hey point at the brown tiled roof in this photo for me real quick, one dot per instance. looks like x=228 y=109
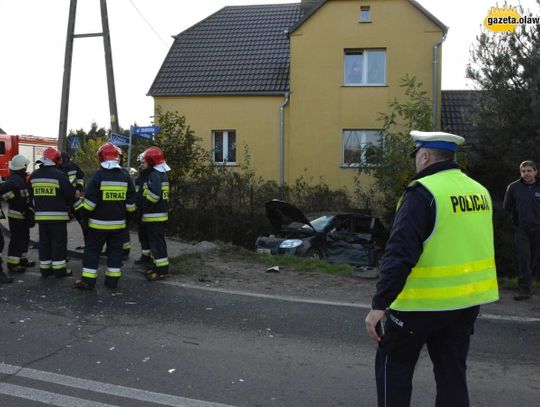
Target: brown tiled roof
x=237 y=50
x=457 y=107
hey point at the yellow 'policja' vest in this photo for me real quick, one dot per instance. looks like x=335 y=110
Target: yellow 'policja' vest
x=456 y=269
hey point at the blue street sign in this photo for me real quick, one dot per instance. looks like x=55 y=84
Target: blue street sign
x=74 y=143
x=147 y=130
x=119 y=140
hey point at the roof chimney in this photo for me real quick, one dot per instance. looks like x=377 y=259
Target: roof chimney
x=308 y=5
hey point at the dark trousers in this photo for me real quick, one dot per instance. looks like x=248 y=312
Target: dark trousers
x=94 y=244
x=52 y=248
x=155 y=232
x=447 y=335
x=143 y=239
x=528 y=251
x=1 y=247
x=18 y=243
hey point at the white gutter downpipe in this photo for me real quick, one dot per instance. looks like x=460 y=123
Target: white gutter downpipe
x=436 y=79
x=282 y=140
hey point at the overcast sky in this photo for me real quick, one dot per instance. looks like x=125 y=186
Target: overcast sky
x=33 y=38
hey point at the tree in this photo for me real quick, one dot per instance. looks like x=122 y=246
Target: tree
x=390 y=163
x=506 y=121
x=181 y=146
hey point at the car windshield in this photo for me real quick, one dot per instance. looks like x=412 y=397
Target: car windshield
x=319 y=223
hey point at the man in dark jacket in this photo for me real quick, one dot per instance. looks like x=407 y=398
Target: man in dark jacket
x=522 y=200
x=110 y=195
x=20 y=216
x=52 y=195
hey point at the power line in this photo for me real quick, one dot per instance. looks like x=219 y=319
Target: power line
x=149 y=25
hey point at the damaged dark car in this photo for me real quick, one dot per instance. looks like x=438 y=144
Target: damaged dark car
x=354 y=238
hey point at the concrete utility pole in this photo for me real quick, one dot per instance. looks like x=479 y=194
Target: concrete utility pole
x=62 y=131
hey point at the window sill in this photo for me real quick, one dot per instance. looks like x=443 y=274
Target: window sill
x=218 y=164
x=356 y=167
x=365 y=86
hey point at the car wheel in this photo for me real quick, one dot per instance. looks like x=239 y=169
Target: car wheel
x=314 y=254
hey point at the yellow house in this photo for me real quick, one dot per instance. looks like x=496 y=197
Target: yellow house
x=301 y=85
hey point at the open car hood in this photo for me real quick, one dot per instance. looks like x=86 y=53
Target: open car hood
x=281 y=214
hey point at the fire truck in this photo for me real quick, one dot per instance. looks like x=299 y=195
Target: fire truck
x=30 y=146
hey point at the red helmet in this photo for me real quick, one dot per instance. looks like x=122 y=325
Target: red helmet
x=52 y=154
x=153 y=156
x=108 y=152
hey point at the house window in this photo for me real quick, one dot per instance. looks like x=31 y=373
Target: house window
x=365 y=14
x=358 y=146
x=365 y=67
x=224 y=146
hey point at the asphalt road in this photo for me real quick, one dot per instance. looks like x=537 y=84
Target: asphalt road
x=156 y=344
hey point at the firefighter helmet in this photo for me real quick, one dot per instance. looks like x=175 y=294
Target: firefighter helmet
x=153 y=156
x=52 y=155
x=108 y=152
x=18 y=162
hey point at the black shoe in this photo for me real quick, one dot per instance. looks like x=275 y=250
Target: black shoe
x=111 y=283
x=83 y=285
x=522 y=297
x=27 y=263
x=63 y=273
x=17 y=269
x=154 y=275
x=143 y=260
x=46 y=272
x=4 y=279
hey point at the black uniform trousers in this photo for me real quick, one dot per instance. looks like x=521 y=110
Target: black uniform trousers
x=92 y=250
x=447 y=335
x=143 y=239
x=18 y=243
x=528 y=253
x=155 y=232
x=52 y=248
x=1 y=247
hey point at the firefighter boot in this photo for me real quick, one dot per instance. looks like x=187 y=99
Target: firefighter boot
x=85 y=283
x=143 y=261
x=4 y=279
x=16 y=269
x=111 y=282
x=27 y=263
x=154 y=275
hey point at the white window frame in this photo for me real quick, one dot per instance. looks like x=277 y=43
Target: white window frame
x=363 y=134
x=225 y=151
x=365 y=66
x=361 y=18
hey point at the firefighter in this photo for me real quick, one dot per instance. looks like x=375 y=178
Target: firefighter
x=110 y=195
x=20 y=216
x=76 y=176
x=52 y=196
x=154 y=211
x=141 y=183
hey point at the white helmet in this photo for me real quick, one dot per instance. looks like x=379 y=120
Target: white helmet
x=18 y=162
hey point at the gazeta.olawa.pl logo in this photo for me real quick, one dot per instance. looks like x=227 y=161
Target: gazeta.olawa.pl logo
x=506 y=19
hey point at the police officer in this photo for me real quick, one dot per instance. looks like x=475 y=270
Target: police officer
x=141 y=184
x=155 y=211
x=20 y=216
x=110 y=194
x=76 y=176
x=52 y=195
x=437 y=269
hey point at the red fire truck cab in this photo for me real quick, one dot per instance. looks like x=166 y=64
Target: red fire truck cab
x=30 y=146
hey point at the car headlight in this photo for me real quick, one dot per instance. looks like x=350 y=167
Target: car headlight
x=290 y=243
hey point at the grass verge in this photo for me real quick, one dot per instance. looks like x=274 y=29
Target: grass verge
x=192 y=262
